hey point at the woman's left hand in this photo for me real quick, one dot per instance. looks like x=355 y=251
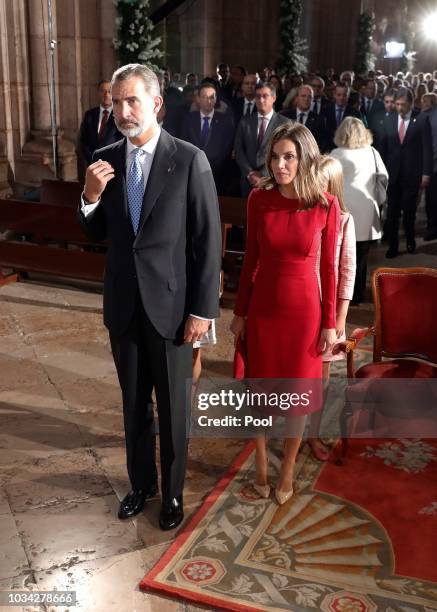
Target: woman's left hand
x=328 y=338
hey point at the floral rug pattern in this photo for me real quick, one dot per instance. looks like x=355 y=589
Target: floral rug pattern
x=319 y=551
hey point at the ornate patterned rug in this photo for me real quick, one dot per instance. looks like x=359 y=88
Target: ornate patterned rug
x=356 y=538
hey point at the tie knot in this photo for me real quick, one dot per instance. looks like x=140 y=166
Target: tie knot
x=137 y=153
x=206 y=120
x=105 y=113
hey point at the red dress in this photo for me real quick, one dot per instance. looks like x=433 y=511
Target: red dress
x=279 y=291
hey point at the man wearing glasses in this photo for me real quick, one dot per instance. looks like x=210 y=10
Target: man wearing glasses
x=320 y=101
x=253 y=134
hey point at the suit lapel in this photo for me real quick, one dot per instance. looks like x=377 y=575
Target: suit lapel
x=163 y=164
x=120 y=172
x=271 y=126
x=253 y=128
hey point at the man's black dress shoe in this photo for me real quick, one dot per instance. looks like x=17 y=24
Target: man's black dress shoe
x=391 y=253
x=172 y=514
x=411 y=247
x=134 y=501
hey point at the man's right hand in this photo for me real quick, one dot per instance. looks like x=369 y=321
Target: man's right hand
x=97 y=176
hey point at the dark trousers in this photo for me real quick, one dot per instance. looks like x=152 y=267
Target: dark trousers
x=401 y=199
x=362 y=254
x=144 y=360
x=431 y=204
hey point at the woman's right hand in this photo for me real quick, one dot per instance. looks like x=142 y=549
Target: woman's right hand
x=238 y=327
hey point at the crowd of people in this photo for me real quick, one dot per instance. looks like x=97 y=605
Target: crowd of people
x=316 y=156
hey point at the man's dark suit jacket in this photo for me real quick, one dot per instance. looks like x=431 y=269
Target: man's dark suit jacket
x=237 y=105
x=331 y=122
x=174 y=260
x=378 y=128
x=218 y=147
x=324 y=104
x=88 y=137
x=249 y=157
x=409 y=161
x=373 y=117
x=315 y=123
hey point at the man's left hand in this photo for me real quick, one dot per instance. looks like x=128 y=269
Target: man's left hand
x=195 y=328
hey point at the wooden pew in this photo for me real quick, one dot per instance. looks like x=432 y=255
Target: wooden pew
x=53 y=231
x=61 y=193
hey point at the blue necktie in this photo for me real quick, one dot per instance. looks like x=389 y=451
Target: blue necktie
x=135 y=189
x=204 y=132
x=339 y=115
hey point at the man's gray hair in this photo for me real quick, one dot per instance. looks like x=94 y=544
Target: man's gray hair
x=149 y=78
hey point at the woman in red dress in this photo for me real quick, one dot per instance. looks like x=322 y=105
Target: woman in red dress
x=279 y=314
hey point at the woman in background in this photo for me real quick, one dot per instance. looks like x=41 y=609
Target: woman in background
x=361 y=163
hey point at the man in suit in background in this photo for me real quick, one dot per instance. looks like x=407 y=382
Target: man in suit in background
x=245 y=105
x=303 y=114
x=371 y=107
x=153 y=197
x=407 y=154
x=211 y=131
x=336 y=111
x=320 y=101
x=98 y=128
x=388 y=108
x=253 y=134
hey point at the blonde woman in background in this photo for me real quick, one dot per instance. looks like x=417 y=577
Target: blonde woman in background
x=360 y=163
x=330 y=173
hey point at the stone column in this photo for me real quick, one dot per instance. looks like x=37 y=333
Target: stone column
x=37 y=158
x=14 y=92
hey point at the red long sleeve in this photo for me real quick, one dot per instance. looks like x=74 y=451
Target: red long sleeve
x=251 y=256
x=327 y=264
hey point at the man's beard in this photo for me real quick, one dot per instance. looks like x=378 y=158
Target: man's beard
x=132 y=132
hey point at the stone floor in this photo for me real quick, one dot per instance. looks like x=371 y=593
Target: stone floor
x=62 y=461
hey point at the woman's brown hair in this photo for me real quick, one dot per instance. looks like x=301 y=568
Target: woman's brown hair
x=305 y=183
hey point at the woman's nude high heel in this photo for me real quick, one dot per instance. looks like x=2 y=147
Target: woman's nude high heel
x=283 y=496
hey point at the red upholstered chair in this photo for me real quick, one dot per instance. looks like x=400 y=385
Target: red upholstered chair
x=404 y=346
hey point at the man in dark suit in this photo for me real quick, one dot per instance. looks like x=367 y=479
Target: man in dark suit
x=212 y=131
x=371 y=107
x=303 y=114
x=252 y=138
x=336 y=111
x=407 y=153
x=320 y=101
x=380 y=118
x=245 y=105
x=153 y=197
x=98 y=128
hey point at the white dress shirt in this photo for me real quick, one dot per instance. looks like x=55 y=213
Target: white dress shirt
x=266 y=123
x=246 y=106
x=202 y=116
x=406 y=119
x=102 y=109
x=304 y=113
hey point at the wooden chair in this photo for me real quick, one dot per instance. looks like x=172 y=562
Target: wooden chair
x=404 y=347
x=233 y=211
